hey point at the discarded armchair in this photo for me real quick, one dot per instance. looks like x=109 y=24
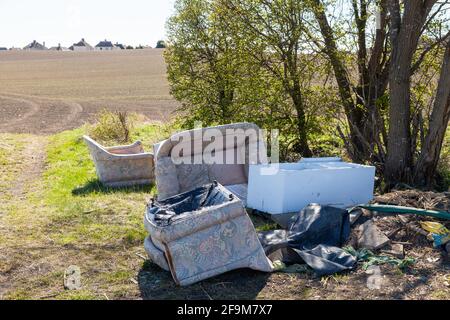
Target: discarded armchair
x=122 y=166
x=202 y=233
x=178 y=172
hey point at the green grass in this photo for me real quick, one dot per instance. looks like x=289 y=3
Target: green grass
x=78 y=295
x=70 y=218
x=11 y=160
x=87 y=211
x=19 y=294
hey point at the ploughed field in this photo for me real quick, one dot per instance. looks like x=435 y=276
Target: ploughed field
x=48 y=92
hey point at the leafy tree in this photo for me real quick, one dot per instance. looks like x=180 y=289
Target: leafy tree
x=272 y=63
x=201 y=62
x=161 y=44
x=383 y=108
x=273 y=33
x=242 y=61
x=348 y=45
x=408 y=24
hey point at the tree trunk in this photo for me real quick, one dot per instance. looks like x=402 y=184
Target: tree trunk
x=342 y=79
x=361 y=111
x=425 y=169
x=399 y=160
x=297 y=99
x=405 y=34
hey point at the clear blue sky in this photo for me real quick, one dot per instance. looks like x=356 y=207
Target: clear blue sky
x=67 y=21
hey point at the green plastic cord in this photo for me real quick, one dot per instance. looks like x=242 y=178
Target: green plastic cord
x=406 y=210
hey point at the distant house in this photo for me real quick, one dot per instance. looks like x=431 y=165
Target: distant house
x=59 y=48
x=119 y=46
x=3 y=49
x=81 y=46
x=105 y=46
x=35 y=46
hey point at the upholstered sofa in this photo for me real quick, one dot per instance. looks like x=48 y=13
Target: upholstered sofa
x=201 y=234
x=122 y=166
x=174 y=174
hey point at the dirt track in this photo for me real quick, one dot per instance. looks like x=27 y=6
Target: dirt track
x=26 y=114
x=48 y=92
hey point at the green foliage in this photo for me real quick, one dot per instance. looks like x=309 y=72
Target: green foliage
x=368 y=258
x=227 y=67
x=113 y=127
x=150 y=133
x=161 y=44
x=201 y=62
x=268 y=62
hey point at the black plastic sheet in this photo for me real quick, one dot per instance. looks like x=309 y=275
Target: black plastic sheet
x=314 y=236
x=177 y=207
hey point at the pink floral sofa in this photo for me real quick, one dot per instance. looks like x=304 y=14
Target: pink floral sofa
x=122 y=166
x=201 y=234
x=173 y=178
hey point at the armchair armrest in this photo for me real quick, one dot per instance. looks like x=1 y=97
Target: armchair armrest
x=138 y=156
x=128 y=149
x=204 y=219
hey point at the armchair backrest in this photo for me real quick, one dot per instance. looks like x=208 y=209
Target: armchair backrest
x=240 y=145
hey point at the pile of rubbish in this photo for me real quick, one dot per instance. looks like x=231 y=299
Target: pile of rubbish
x=328 y=218
x=314 y=237
x=411 y=225
x=370 y=238
x=413 y=198
x=207 y=231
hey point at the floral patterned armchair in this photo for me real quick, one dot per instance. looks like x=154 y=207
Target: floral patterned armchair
x=122 y=166
x=201 y=234
x=173 y=178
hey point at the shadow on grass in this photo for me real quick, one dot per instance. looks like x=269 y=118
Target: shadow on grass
x=242 y=284
x=95 y=186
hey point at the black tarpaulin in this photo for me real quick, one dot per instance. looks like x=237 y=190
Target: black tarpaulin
x=176 y=208
x=314 y=236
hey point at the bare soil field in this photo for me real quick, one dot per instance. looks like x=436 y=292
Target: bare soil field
x=48 y=92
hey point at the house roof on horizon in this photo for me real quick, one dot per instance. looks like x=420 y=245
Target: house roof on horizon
x=35 y=45
x=83 y=43
x=105 y=44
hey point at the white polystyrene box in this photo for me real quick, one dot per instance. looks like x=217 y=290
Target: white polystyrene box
x=289 y=187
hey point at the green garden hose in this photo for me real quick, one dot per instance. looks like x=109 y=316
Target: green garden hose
x=406 y=210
